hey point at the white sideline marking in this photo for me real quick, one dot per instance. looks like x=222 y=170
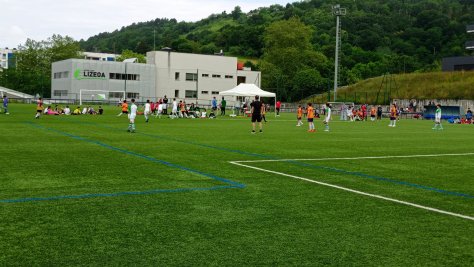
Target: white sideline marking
x=358 y=192
x=380 y=157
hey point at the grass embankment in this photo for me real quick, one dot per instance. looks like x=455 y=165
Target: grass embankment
x=434 y=85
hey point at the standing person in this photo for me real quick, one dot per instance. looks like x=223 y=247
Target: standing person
x=373 y=113
x=310 y=111
x=343 y=112
x=438 y=118
x=39 y=108
x=328 y=117
x=469 y=115
x=256 y=109
x=299 y=115
x=393 y=116
x=5 y=104
x=174 y=111
x=223 y=105
x=278 y=106
x=132 y=116
x=124 y=108
x=214 y=104
x=264 y=111
x=379 y=113
x=165 y=105
x=147 y=110
x=237 y=107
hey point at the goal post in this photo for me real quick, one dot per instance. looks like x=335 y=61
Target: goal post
x=100 y=94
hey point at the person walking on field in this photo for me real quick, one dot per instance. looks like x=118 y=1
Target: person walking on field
x=39 y=108
x=5 y=104
x=393 y=116
x=438 y=118
x=256 y=109
x=277 y=107
x=132 y=116
x=124 y=108
x=147 y=112
x=223 y=105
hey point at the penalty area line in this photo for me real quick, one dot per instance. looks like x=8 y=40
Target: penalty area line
x=358 y=192
x=356 y=158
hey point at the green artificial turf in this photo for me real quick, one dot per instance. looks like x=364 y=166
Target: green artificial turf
x=81 y=190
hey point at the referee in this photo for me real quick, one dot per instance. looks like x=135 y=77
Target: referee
x=256 y=114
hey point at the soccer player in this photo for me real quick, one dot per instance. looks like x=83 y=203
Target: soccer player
x=438 y=118
x=328 y=117
x=147 y=111
x=132 y=116
x=393 y=116
x=299 y=115
x=256 y=108
x=124 y=108
x=310 y=111
x=174 y=111
x=278 y=106
x=373 y=112
x=5 y=104
x=39 y=108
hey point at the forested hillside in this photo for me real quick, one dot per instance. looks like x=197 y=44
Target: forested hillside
x=396 y=36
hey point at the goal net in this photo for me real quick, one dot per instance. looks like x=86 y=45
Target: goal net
x=100 y=95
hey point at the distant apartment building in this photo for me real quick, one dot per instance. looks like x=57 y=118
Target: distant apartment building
x=461 y=63
x=7 y=58
x=176 y=75
x=99 y=56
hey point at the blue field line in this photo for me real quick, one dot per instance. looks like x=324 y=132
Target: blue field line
x=115 y=194
x=357 y=174
x=231 y=184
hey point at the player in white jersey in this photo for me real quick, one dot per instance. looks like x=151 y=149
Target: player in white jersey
x=438 y=118
x=147 y=110
x=132 y=116
x=174 y=111
x=328 y=117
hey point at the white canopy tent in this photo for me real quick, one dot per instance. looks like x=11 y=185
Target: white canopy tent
x=248 y=89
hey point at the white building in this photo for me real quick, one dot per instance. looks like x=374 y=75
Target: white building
x=6 y=57
x=177 y=75
x=101 y=80
x=183 y=75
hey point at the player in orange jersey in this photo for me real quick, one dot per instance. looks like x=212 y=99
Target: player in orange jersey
x=310 y=110
x=124 y=108
x=299 y=115
x=393 y=116
x=373 y=112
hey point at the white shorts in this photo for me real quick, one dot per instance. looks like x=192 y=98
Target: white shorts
x=132 y=117
x=147 y=112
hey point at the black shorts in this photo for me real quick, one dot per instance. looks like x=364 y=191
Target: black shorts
x=125 y=112
x=256 y=117
x=310 y=119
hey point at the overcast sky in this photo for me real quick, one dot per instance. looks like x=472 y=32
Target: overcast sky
x=40 y=19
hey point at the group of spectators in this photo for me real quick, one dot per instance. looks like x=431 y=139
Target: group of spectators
x=57 y=110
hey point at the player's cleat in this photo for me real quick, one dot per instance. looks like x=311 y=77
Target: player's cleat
x=261 y=131
x=326 y=130
x=253 y=132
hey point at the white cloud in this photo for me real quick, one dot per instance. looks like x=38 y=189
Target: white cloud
x=40 y=19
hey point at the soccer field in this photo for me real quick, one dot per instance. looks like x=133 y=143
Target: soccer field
x=81 y=190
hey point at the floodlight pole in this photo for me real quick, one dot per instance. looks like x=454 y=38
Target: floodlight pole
x=338 y=12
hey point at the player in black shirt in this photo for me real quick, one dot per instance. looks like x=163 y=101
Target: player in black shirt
x=256 y=114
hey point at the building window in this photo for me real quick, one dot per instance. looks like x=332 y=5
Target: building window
x=122 y=76
x=115 y=95
x=215 y=92
x=191 y=76
x=61 y=75
x=133 y=95
x=204 y=92
x=60 y=93
x=176 y=93
x=241 y=79
x=216 y=76
x=205 y=75
x=190 y=94
x=176 y=76
x=229 y=77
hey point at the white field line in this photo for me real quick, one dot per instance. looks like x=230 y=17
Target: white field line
x=358 y=192
x=355 y=158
